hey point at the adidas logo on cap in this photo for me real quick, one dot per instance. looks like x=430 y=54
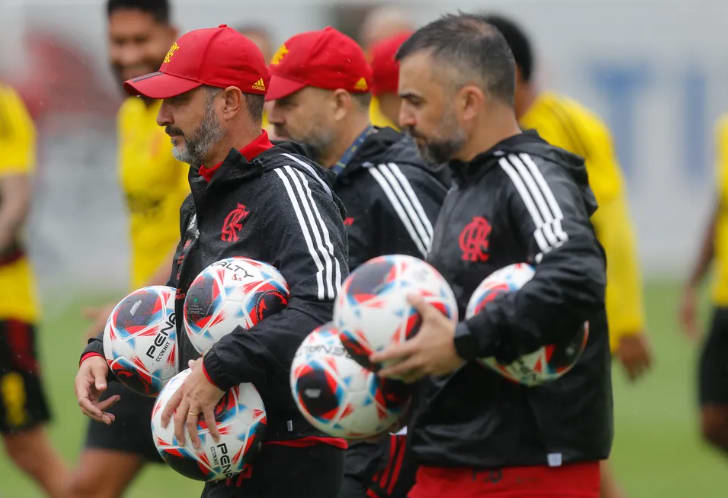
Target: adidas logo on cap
x=259 y=85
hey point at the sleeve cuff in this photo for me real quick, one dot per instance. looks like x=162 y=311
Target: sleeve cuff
x=89 y=355
x=207 y=374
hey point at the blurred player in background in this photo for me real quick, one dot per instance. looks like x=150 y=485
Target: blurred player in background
x=154 y=185
x=566 y=123
x=23 y=405
x=380 y=26
x=713 y=369
x=474 y=432
x=383 y=22
x=320 y=85
x=384 y=109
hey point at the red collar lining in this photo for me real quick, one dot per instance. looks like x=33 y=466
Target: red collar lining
x=249 y=152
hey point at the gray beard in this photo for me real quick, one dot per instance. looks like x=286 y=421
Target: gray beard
x=195 y=148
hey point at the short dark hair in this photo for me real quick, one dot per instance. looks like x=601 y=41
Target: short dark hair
x=517 y=40
x=473 y=46
x=159 y=9
x=363 y=99
x=254 y=103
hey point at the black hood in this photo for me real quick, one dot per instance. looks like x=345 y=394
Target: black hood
x=389 y=145
x=531 y=143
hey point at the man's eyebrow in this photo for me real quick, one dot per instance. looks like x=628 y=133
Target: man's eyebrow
x=409 y=95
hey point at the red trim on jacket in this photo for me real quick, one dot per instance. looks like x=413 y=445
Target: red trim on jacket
x=89 y=355
x=204 y=371
x=311 y=441
x=250 y=151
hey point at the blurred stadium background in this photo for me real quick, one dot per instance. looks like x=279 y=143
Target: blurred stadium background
x=654 y=69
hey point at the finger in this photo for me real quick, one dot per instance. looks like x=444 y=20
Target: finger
x=171 y=407
x=418 y=302
x=99 y=378
x=108 y=402
x=209 y=416
x=180 y=417
x=395 y=352
x=191 y=424
x=89 y=408
x=401 y=369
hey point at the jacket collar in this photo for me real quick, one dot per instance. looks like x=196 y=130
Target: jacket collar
x=466 y=172
x=260 y=144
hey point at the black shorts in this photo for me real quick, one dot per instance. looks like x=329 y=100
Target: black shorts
x=22 y=400
x=284 y=471
x=713 y=376
x=131 y=432
x=381 y=470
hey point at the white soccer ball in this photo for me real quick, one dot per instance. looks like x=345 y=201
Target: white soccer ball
x=372 y=311
x=140 y=339
x=547 y=363
x=337 y=395
x=230 y=293
x=241 y=420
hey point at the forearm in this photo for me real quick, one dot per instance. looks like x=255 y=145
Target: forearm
x=567 y=289
x=15 y=194
x=266 y=351
x=707 y=251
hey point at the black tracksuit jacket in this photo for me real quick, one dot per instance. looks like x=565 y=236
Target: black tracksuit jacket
x=522 y=200
x=392 y=198
x=277 y=208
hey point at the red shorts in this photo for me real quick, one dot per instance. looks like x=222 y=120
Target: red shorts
x=580 y=480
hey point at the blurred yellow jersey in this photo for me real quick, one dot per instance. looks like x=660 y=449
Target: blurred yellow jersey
x=154 y=183
x=720 y=276
x=567 y=124
x=377 y=117
x=17 y=157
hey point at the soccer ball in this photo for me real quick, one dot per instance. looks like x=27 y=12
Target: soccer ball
x=337 y=395
x=241 y=420
x=229 y=293
x=372 y=311
x=140 y=339
x=546 y=363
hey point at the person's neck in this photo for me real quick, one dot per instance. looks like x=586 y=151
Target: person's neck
x=527 y=94
x=498 y=126
x=350 y=131
x=240 y=139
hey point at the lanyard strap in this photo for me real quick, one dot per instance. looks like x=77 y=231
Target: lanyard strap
x=349 y=153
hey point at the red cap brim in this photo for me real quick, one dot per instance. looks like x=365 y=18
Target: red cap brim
x=159 y=85
x=281 y=87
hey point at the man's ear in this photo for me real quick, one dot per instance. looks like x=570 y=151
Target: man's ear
x=234 y=100
x=341 y=102
x=470 y=102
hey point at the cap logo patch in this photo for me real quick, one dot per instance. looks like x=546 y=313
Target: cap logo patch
x=259 y=85
x=279 y=55
x=171 y=52
x=361 y=85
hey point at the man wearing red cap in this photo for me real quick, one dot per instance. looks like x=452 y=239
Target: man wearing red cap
x=384 y=110
x=321 y=82
x=212 y=83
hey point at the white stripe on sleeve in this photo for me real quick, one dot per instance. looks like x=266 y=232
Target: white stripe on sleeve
x=394 y=201
x=324 y=230
x=306 y=233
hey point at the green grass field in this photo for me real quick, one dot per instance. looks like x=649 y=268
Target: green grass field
x=657 y=451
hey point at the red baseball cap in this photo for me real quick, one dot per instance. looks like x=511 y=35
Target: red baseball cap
x=385 y=69
x=219 y=57
x=325 y=59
